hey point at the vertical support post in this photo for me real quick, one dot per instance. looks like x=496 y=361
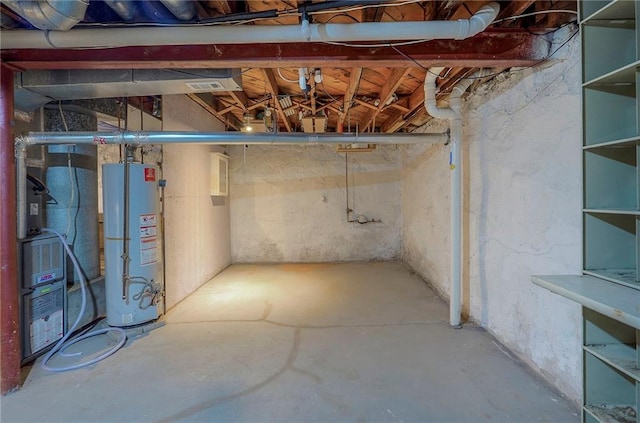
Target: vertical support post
x=9 y=310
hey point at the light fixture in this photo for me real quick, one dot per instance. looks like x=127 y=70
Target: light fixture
x=317 y=76
x=247 y=123
x=302 y=78
x=393 y=98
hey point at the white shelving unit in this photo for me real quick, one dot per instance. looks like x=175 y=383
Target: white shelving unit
x=609 y=289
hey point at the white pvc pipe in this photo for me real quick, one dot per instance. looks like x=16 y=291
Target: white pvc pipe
x=224 y=138
x=244 y=34
x=454 y=114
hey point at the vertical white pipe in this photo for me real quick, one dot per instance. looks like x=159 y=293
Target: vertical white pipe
x=454 y=114
x=21 y=188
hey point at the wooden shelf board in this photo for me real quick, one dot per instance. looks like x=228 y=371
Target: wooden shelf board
x=619 y=356
x=619 y=302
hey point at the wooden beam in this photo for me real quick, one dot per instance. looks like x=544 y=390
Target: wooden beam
x=502 y=47
x=389 y=88
x=354 y=81
x=373 y=14
x=272 y=88
x=365 y=104
x=240 y=98
x=231 y=122
x=400 y=107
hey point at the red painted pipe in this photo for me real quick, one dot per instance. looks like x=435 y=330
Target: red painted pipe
x=9 y=311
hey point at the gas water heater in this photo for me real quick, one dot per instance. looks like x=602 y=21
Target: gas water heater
x=133 y=279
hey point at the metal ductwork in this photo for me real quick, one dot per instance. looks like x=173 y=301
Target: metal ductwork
x=126 y=9
x=181 y=9
x=57 y=15
x=37 y=87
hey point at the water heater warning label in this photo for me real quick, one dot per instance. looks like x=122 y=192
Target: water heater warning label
x=148 y=238
x=149 y=174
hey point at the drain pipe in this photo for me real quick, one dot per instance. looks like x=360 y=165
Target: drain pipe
x=225 y=138
x=454 y=115
x=243 y=34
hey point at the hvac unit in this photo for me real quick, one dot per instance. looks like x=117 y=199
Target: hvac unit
x=43 y=299
x=131 y=247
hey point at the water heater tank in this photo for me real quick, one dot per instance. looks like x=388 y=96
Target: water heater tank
x=134 y=294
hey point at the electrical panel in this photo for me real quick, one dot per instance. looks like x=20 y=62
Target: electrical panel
x=43 y=294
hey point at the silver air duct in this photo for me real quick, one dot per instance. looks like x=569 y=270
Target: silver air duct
x=57 y=15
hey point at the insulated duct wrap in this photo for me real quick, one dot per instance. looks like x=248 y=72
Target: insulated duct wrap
x=57 y=15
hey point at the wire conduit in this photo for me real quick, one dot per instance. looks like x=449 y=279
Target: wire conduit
x=65 y=342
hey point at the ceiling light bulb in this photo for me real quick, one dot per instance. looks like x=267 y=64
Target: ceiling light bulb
x=317 y=76
x=248 y=128
x=267 y=111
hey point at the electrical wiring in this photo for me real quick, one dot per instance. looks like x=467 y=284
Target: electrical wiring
x=72 y=183
x=540 y=12
x=406 y=56
x=367 y=6
x=387 y=44
x=285 y=79
x=66 y=341
x=342 y=15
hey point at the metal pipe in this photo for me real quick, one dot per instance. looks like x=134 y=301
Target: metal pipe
x=226 y=138
x=125 y=226
x=21 y=188
x=9 y=309
x=151 y=36
x=454 y=115
x=50 y=14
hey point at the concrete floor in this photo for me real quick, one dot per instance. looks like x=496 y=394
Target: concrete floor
x=298 y=343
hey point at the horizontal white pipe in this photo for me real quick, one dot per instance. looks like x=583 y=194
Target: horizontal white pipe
x=226 y=34
x=223 y=138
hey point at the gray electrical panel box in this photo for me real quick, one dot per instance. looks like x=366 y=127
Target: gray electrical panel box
x=43 y=294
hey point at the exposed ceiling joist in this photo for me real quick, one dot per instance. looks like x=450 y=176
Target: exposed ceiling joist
x=386 y=93
x=209 y=108
x=240 y=98
x=272 y=88
x=354 y=80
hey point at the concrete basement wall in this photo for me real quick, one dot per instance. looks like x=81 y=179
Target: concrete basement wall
x=288 y=204
x=196 y=225
x=522 y=179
